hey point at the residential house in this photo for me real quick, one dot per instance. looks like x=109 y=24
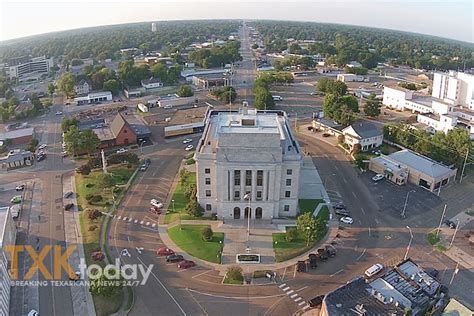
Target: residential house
x=364 y=133
x=151 y=83
x=82 y=87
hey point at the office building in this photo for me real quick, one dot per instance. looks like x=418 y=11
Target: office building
x=153 y=27
x=7 y=237
x=22 y=68
x=248 y=160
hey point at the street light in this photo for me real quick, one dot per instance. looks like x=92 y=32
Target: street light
x=307 y=236
x=249 y=198
x=141 y=145
x=409 y=243
x=406 y=202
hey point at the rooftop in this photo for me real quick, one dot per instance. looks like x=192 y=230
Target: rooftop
x=17 y=133
x=365 y=129
x=3 y=217
x=421 y=163
x=151 y=80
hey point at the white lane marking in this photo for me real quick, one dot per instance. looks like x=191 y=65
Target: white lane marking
x=336 y=273
x=119 y=217
x=354 y=195
x=301 y=303
x=369 y=231
x=306 y=307
x=135 y=221
x=124 y=219
x=153 y=225
x=297 y=299
x=130 y=219
x=360 y=256
x=293 y=296
x=199 y=274
x=282 y=285
x=246 y=298
x=289 y=292
x=141 y=222
x=147 y=223
x=286 y=289
x=344 y=179
x=362 y=209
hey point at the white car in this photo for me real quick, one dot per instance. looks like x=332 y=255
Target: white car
x=187 y=140
x=156 y=203
x=33 y=313
x=122 y=150
x=347 y=220
x=42 y=146
x=373 y=270
x=59 y=113
x=378 y=177
x=189 y=147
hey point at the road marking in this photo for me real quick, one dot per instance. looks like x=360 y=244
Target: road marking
x=301 y=303
x=293 y=296
x=136 y=221
x=369 y=231
x=141 y=222
x=246 y=298
x=282 y=285
x=344 y=179
x=294 y=272
x=124 y=219
x=286 y=289
x=147 y=223
x=297 y=299
x=360 y=256
x=289 y=292
x=362 y=209
x=306 y=307
x=336 y=273
x=153 y=225
x=354 y=195
x=130 y=219
x=199 y=274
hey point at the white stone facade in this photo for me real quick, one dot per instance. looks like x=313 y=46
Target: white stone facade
x=248 y=152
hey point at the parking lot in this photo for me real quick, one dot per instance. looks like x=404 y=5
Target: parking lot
x=391 y=197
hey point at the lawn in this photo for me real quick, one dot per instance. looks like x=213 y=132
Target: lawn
x=387 y=149
x=285 y=250
x=180 y=201
x=432 y=238
x=189 y=239
x=308 y=205
x=90 y=229
x=233 y=281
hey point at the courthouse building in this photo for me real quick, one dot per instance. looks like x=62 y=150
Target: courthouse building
x=248 y=159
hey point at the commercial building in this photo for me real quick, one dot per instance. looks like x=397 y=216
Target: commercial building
x=18 y=136
x=152 y=83
x=94 y=97
x=132 y=93
x=210 y=81
x=82 y=87
x=401 y=288
x=366 y=134
x=248 y=164
x=16 y=159
x=188 y=73
x=407 y=166
x=25 y=67
x=7 y=238
x=349 y=78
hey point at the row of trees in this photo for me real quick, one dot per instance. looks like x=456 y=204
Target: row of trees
x=263 y=97
x=225 y=94
x=216 y=56
x=190 y=191
x=7 y=108
x=449 y=148
x=302 y=63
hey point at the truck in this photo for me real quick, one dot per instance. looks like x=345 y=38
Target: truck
x=15 y=210
x=142 y=107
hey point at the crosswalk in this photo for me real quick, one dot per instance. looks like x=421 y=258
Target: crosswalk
x=302 y=304
x=126 y=219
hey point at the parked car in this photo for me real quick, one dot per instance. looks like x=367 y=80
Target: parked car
x=378 y=177
x=330 y=251
x=42 y=146
x=40 y=157
x=16 y=199
x=189 y=147
x=343 y=212
x=164 y=251
x=347 y=220
x=68 y=206
x=122 y=151
x=156 y=203
x=450 y=224
x=339 y=206
x=145 y=165
x=316 y=301
x=21 y=187
x=373 y=270
x=68 y=194
x=174 y=258
x=301 y=266
x=313 y=260
x=59 y=113
x=187 y=140
x=186 y=264
x=322 y=254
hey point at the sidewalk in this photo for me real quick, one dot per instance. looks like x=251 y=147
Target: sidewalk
x=82 y=302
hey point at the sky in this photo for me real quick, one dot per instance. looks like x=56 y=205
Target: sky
x=449 y=19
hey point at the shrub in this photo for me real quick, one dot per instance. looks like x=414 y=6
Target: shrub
x=291 y=234
x=105 y=180
x=194 y=209
x=94 y=162
x=84 y=169
x=191 y=191
x=234 y=273
x=89 y=185
x=94 y=214
x=207 y=233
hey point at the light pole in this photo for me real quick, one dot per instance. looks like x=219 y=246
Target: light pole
x=141 y=149
x=249 y=213
x=406 y=202
x=307 y=235
x=409 y=243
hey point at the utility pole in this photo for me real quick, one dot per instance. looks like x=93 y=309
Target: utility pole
x=406 y=202
x=454 y=235
x=409 y=243
x=464 y=165
x=441 y=220
x=454 y=273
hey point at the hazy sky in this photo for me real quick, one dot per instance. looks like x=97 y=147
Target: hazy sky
x=451 y=19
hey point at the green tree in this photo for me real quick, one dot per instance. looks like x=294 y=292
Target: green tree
x=66 y=83
x=263 y=99
x=207 y=233
x=193 y=208
x=51 y=88
x=111 y=85
x=322 y=84
x=291 y=234
x=185 y=91
x=337 y=88
x=307 y=225
x=101 y=285
x=105 y=180
x=89 y=141
x=372 y=106
x=72 y=140
x=66 y=123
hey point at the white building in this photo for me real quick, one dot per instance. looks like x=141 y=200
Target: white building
x=349 y=78
x=364 y=133
x=94 y=97
x=152 y=83
x=20 y=68
x=455 y=88
x=248 y=153
x=82 y=87
x=7 y=238
x=153 y=27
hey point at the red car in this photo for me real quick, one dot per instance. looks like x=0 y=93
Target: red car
x=164 y=251
x=185 y=264
x=155 y=210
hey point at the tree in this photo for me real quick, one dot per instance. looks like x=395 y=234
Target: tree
x=341 y=109
x=291 y=234
x=32 y=144
x=105 y=180
x=254 y=46
x=307 y=226
x=66 y=83
x=94 y=214
x=89 y=141
x=263 y=99
x=193 y=208
x=372 y=106
x=84 y=169
x=97 y=80
x=71 y=139
x=111 y=85
x=322 y=83
x=337 y=88
x=101 y=285
x=225 y=94
x=207 y=233
x=185 y=91
x=51 y=88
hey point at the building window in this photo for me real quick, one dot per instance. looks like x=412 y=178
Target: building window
x=208 y=193
x=288 y=182
x=259 y=177
x=259 y=195
x=287 y=194
x=248 y=177
x=286 y=208
x=289 y=172
x=236 y=177
x=208 y=181
x=207 y=171
x=237 y=195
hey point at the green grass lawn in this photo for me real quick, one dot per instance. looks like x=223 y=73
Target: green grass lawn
x=261 y=273
x=87 y=184
x=233 y=281
x=432 y=238
x=387 y=149
x=180 y=202
x=189 y=239
x=308 y=205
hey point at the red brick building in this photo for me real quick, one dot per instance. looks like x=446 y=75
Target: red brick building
x=120 y=133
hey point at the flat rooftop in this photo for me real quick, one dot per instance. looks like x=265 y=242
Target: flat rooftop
x=421 y=163
x=17 y=133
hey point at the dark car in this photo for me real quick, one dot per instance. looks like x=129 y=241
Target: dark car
x=322 y=254
x=316 y=301
x=312 y=261
x=339 y=206
x=68 y=206
x=301 y=266
x=330 y=251
x=40 y=158
x=68 y=194
x=174 y=258
x=342 y=212
x=186 y=264
x=450 y=224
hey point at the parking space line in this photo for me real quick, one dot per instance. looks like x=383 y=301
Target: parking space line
x=297 y=299
x=286 y=289
x=124 y=219
x=336 y=273
x=293 y=296
x=289 y=292
x=306 y=307
x=301 y=303
x=199 y=274
x=362 y=209
x=282 y=285
x=153 y=225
